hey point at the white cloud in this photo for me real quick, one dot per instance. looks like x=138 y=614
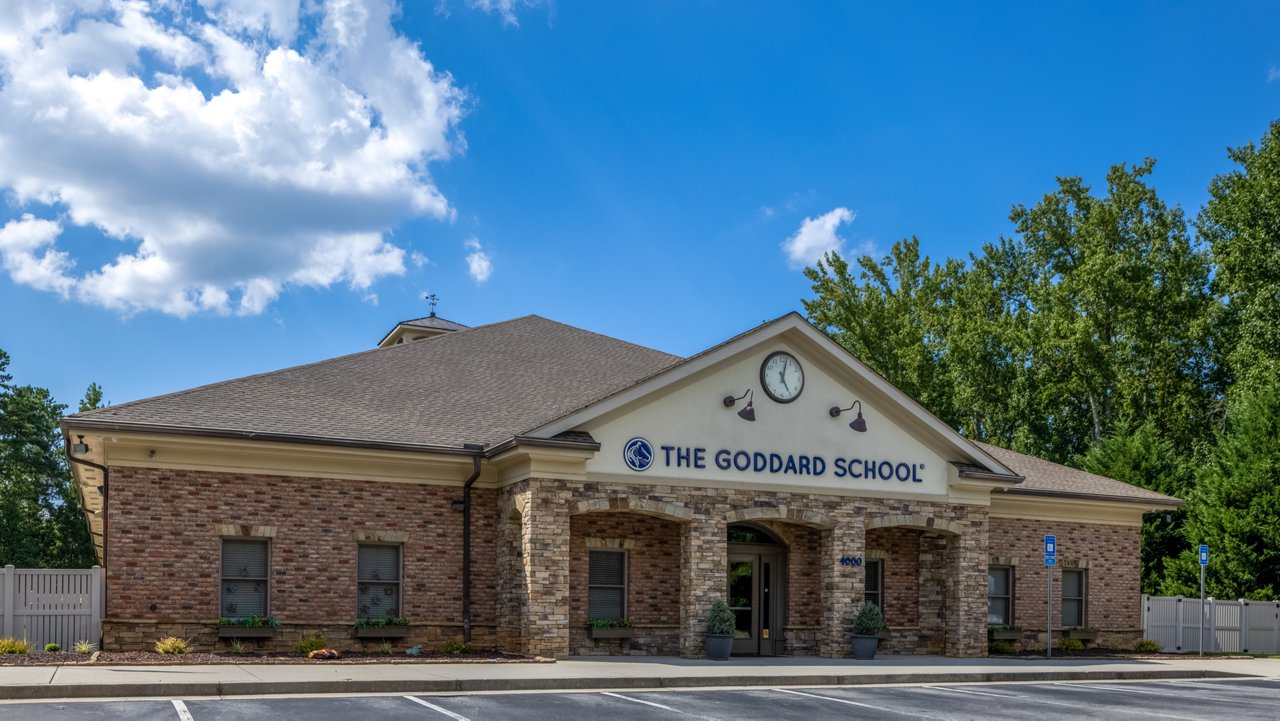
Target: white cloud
x=817 y=237
x=1273 y=74
x=478 y=263
x=226 y=154
x=506 y=9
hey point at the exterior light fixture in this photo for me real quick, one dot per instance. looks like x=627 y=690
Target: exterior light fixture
x=79 y=447
x=746 y=414
x=858 y=424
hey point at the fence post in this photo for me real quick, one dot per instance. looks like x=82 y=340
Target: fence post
x=1178 y=615
x=95 y=605
x=6 y=601
x=1213 y=625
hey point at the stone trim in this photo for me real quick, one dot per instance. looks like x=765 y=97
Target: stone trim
x=926 y=523
x=234 y=530
x=1074 y=564
x=366 y=536
x=625 y=544
x=670 y=510
x=813 y=519
x=1003 y=561
x=875 y=554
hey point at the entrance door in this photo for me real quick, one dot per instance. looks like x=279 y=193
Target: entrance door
x=756 y=602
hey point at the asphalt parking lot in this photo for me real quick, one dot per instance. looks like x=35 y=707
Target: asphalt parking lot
x=1191 y=700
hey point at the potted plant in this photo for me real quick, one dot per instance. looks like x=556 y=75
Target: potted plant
x=721 y=624
x=867 y=626
x=251 y=626
x=382 y=627
x=610 y=628
x=1003 y=632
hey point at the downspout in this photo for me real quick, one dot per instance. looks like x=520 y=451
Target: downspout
x=478 y=450
x=105 y=489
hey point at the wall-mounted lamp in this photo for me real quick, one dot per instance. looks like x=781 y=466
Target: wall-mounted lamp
x=79 y=447
x=746 y=414
x=858 y=424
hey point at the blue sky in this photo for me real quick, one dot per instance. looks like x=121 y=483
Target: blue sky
x=284 y=185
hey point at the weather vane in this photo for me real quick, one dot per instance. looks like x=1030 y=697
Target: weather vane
x=431 y=299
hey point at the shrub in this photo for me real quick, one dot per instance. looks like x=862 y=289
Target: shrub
x=1146 y=645
x=172 y=645
x=85 y=647
x=869 y=621
x=14 y=645
x=310 y=642
x=1001 y=647
x=455 y=647
x=237 y=647
x=52 y=648
x=386 y=648
x=1069 y=644
x=608 y=623
x=721 y=621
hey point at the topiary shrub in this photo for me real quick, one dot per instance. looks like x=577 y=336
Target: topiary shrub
x=721 y=621
x=310 y=642
x=172 y=645
x=869 y=621
x=1146 y=645
x=52 y=648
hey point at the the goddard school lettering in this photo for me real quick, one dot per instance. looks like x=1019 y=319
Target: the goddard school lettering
x=791 y=463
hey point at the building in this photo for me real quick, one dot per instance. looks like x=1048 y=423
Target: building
x=513 y=481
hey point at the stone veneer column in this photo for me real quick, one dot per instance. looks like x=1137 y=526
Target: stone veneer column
x=842 y=586
x=512 y=588
x=545 y=550
x=966 y=607
x=704 y=569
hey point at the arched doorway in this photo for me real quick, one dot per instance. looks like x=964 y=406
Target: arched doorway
x=757 y=589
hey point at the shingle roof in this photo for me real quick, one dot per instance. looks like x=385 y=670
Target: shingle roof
x=432 y=321
x=1047 y=478
x=480 y=385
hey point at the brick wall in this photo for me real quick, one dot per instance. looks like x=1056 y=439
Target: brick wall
x=1108 y=553
x=899 y=551
x=165 y=544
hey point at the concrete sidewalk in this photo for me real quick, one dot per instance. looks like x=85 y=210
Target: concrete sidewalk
x=618 y=673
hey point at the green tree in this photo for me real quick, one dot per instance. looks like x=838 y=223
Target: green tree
x=43 y=522
x=1241 y=223
x=1235 y=506
x=1141 y=457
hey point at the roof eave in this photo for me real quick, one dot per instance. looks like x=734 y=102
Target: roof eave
x=1156 y=503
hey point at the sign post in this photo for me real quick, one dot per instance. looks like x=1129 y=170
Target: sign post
x=1050 y=560
x=1204 y=561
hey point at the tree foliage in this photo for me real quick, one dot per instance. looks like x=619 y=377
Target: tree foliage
x=43 y=521
x=1101 y=333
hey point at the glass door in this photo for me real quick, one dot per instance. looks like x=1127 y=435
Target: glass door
x=744 y=601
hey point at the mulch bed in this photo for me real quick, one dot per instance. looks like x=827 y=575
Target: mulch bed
x=147 y=658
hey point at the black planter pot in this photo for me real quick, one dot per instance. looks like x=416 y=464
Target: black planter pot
x=864 y=647
x=718 y=647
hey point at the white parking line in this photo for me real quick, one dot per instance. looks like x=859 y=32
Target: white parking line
x=1112 y=688
x=851 y=703
x=636 y=700
x=434 y=707
x=975 y=693
x=183 y=713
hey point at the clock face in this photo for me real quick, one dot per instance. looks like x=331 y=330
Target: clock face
x=782 y=377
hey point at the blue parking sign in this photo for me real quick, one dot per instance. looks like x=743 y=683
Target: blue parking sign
x=1204 y=554
x=1050 y=546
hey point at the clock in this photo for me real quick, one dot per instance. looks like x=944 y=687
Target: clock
x=782 y=377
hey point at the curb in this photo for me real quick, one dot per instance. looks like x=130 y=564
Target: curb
x=391 y=686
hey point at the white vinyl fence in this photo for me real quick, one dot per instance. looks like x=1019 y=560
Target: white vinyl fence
x=45 y=605
x=1229 y=626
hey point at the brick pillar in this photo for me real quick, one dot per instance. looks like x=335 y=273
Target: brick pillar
x=966 y=605
x=544 y=549
x=842 y=586
x=512 y=587
x=704 y=568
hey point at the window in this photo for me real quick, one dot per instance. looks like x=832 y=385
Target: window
x=377 y=581
x=244 y=578
x=1000 y=595
x=607 y=585
x=1073 y=611
x=873 y=591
